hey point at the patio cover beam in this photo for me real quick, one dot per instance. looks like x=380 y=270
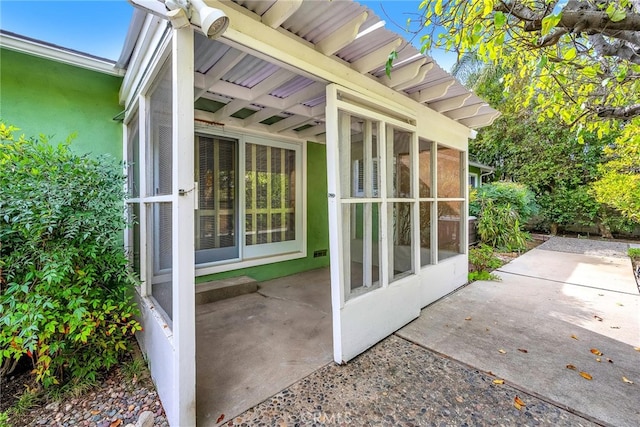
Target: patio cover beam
x=280 y=11
x=422 y=72
x=375 y=59
x=433 y=92
x=451 y=103
x=465 y=112
x=481 y=120
x=341 y=37
x=222 y=67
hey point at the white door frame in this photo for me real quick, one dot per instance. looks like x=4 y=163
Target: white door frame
x=361 y=321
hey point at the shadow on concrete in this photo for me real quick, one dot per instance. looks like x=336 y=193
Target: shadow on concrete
x=252 y=346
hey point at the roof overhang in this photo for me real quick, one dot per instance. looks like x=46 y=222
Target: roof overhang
x=56 y=53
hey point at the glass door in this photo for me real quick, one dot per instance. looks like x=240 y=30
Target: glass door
x=372 y=164
x=216 y=225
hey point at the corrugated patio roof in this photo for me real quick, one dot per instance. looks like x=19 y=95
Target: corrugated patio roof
x=344 y=31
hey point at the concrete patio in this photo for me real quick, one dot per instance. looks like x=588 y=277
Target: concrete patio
x=553 y=305
x=556 y=306
x=252 y=346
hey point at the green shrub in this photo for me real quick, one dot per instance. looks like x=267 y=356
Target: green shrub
x=483 y=260
x=502 y=208
x=66 y=289
x=518 y=196
x=499 y=226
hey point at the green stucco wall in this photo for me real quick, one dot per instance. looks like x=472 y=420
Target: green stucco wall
x=317 y=226
x=42 y=96
x=474 y=169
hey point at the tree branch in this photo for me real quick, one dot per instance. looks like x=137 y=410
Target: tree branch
x=619 y=49
x=590 y=19
x=624 y=113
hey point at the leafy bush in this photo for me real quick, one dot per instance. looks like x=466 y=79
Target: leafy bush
x=66 y=298
x=502 y=208
x=518 y=196
x=483 y=260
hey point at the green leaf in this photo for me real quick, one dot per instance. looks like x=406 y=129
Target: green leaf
x=392 y=57
x=488 y=7
x=615 y=14
x=570 y=54
x=438 y=8
x=549 y=22
x=499 y=19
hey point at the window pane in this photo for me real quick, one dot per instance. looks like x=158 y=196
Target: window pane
x=361 y=234
x=270 y=194
x=449 y=165
x=160 y=134
x=133 y=157
x=425 y=233
x=133 y=251
x=449 y=229
x=401 y=247
x=160 y=242
x=399 y=162
x=360 y=155
x=425 y=160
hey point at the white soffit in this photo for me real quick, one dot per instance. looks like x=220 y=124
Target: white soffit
x=245 y=89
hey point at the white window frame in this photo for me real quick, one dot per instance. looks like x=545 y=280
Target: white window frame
x=266 y=253
x=476 y=178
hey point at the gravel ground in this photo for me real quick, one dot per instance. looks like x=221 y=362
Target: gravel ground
x=400 y=383
x=595 y=247
x=118 y=401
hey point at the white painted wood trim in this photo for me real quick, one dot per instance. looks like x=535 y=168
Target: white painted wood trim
x=376 y=58
x=341 y=37
x=335 y=234
x=183 y=280
x=280 y=11
x=433 y=92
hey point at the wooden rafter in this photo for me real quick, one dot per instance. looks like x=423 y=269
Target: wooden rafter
x=342 y=37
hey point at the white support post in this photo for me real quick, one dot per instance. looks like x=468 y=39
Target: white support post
x=183 y=280
x=334 y=195
x=145 y=288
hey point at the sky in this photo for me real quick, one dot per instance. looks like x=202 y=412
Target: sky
x=99 y=27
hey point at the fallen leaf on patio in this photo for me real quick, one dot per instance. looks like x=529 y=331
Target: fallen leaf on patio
x=571 y=367
x=614 y=327
x=574 y=337
x=598 y=360
x=498 y=381
x=459 y=399
x=626 y=380
x=95 y=412
x=586 y=376
x=501 y=351
x=609 y=360
x=220 y=418
x=467 y=318
x=518 y=403
x=523 y=350
x=115 y=423
x=598 y=318
x=596 y=352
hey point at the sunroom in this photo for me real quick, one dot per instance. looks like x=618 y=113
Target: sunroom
x=230 y=108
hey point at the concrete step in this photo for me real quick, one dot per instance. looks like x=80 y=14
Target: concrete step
x=217 y=290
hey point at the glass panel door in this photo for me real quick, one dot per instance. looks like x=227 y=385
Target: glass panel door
x=216 y=225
